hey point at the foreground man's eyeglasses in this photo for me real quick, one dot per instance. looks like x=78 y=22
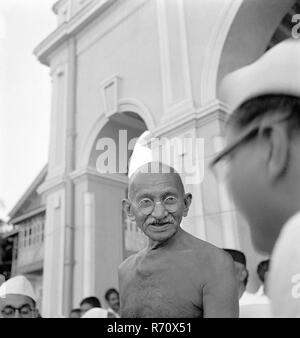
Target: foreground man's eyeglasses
x=220 y=165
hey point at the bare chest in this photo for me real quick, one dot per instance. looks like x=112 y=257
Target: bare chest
x=167 y=286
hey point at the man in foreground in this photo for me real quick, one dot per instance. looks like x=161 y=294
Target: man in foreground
x=176 y=275
x=263 y=163
x=17 y=299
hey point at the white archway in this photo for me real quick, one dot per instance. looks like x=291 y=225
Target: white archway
x=124 y=105
x=241 y=34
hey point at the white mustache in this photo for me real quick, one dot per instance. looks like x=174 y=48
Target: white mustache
x=156 y=222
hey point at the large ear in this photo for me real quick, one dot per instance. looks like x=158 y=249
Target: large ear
x=126 y=204
x=244 y=274
x=278 y=151
x=187 y=202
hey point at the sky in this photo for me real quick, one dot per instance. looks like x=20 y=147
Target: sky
x=25 y=94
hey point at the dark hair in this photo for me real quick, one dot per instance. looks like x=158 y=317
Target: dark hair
x=246 y=279
x=109 y=292
x=262 y=268
x=94 y=301
x=76 y=311
x=261 y=106
x=237 y=256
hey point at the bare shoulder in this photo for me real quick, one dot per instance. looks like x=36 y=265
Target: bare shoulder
x=127 y=263
x=130 y=262
x=208 y=253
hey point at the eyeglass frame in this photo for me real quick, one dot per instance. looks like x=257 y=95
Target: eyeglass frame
x=155 y=203
x=31 y=310
x=250 y=132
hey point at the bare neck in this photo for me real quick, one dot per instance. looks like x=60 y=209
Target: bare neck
x=172 y=242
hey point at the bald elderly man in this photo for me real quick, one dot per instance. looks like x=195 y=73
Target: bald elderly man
x=176 y=275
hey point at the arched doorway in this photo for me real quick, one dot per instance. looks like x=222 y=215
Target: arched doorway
x=104 y=237
x=251 y=32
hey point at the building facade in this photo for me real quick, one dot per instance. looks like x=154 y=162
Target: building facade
x=138 y=65
x=27 y=237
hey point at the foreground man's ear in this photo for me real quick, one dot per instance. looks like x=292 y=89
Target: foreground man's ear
x=187 y=202
x=126 y=204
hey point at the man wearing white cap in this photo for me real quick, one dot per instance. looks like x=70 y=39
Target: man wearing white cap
x=262 y=158
x=17 y=299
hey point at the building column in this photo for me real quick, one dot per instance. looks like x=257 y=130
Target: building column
x=98 y=232
x=54 y=254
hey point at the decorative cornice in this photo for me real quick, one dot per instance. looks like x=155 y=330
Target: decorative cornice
x=51 y=184
x=67 y=29
x=210 y=112
x=30 y=267
x=81 y=174
x=33 y=186
x=30 y=214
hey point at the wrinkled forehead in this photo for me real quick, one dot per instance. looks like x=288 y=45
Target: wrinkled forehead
x=15 y=300
x=155 y=184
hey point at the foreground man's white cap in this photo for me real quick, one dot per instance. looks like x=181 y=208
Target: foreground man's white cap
x=96 y=312
x=276 y=72
x=18 y=285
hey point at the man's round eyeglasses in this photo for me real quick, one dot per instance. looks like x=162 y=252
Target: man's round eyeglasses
x=10 y=311
x=147 y=205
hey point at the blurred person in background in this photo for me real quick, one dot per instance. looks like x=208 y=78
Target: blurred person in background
x=89 y=303
x=241 y=271
x=75 y=313
x=17 y=299
x=90 y=307
x=113 y=300
x=262 y=272
x=251 y=305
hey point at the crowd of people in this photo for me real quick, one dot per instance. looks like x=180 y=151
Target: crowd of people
x=18 y=300
x=90 y=307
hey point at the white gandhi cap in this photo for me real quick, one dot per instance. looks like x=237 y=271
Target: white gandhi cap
x=276 y=72
x=96 y=312
x=18 y=285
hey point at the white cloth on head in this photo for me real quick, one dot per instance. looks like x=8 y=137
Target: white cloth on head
x=18 y=285
x=110 y=310
x=275 y=72
x=284 y=275
x=96 y=312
